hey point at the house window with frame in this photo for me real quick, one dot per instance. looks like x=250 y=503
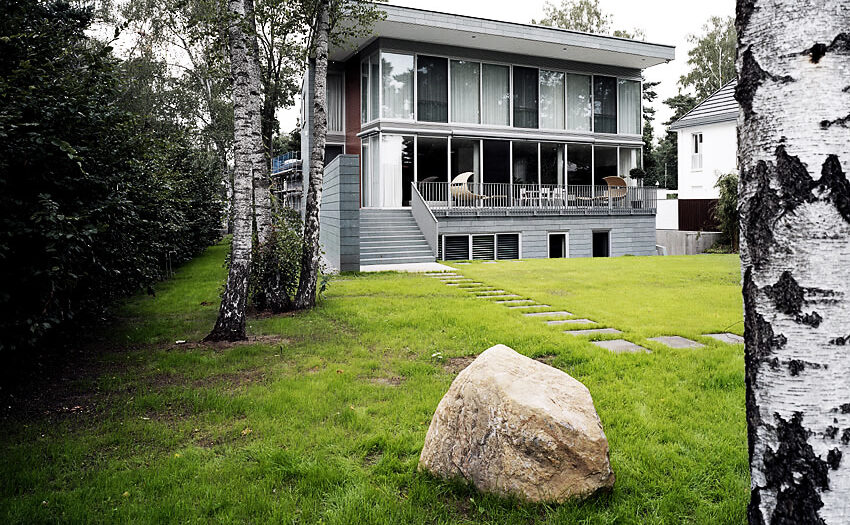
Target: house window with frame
x=432 y=89
x=526 y=97
x=496 y=89
x=552 y=96
x=579 y=105
x=364 y=92
x=604 y=104
x=335 y=102
x=397 y=86
x=696 y=151
x=466 y=91
x=628 y=99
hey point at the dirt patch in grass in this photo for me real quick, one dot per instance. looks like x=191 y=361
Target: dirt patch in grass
x=387 y=381
x=456 y=364
x=546 y=358
x=227 y=345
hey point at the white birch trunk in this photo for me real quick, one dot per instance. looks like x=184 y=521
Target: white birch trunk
x=306 y=296
x=230 y=325
x=259 y=159
x=794 y=91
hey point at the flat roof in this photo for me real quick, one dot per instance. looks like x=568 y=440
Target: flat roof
x=407 y=23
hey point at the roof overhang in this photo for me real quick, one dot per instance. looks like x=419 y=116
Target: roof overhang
x=406 y=23
x=727 y=116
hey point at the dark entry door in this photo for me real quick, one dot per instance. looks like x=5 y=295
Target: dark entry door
x=601 y=244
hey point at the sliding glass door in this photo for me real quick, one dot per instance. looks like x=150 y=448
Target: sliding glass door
x=387 y=171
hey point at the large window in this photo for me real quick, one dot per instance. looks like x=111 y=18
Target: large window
x=466 y=91
x=397 y=86
x=466 y=157
x=629 y=104
x=579 y=107
x=374 y=86
x=525 y=162
x=551 y=163
x=497 y=161
x=432 y=89
x=387 y=171
x=579 y=164
x=525 y=97
x=370 y=161
x=604 y=163
x=364 y=92
x=335 y=104
x=604 y=104
x=629 y=160
x=551 y=100
x=432 y=159
x=496 y=106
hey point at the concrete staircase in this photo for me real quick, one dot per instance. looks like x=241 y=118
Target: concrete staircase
x=391 y=237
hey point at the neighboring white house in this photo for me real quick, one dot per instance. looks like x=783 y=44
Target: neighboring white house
x=708 y=144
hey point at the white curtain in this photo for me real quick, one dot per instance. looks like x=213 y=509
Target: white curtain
x=496 y=106
x=374 y=172
x=551 y=99
x=334 y=89
x=629 y=104
x=465 y=91
x=397 y=85
x=390 y=179
x=579 y=109
x=629 y=159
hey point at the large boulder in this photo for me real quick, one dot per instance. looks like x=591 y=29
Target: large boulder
x=516 y=427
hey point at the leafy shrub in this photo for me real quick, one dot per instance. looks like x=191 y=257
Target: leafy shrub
x=95 y=203
x=277 y=264
x=726 y=211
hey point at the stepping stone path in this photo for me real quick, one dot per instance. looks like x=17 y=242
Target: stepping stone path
x=530 y=306
x=726 y=337
x=560 y=313
x=593 y=331
x=571 y=321
x=620 y=346
x=676 y=341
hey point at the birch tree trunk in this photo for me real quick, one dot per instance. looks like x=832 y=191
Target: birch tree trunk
x=259 y=157
x=230 y=325
x=306 y=296
x=794 y=92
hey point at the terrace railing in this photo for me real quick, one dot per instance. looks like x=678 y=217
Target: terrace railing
x=550 y=197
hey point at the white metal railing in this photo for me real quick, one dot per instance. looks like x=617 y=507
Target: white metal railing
x=474 y=195
x=696 y=161
x=424 y=217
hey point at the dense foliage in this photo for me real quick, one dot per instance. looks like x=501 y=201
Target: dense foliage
x=276 y=264
x=726 y=211
x=96 y=201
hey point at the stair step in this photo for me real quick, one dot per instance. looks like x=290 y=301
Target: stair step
x=395 y=260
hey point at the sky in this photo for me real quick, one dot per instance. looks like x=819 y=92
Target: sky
x=663 y=21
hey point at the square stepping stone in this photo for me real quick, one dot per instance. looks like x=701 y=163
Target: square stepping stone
x=559 y=313
x=593 y=331
x=620 y=346
x=514 y=301
x=506 y=296
x=726 y=337
x=483 y=293
x=571 y=321
x=677 y=341
x=530 y=306
x=491 y=262
x=463 y=263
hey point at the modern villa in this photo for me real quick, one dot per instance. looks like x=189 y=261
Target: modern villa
x=453 y=137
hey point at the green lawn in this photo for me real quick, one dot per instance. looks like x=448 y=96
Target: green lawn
x=322 y=417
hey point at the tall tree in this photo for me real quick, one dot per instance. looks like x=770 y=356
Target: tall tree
x=585 y=16
x=793 y=66
x=307 y=285
x=712 y=59
x=230 y=325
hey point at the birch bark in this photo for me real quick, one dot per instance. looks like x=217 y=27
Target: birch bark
x=306 y=296
x=230 y=325
x=794 y=147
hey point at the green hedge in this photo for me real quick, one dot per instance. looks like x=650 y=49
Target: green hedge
x=94 y=201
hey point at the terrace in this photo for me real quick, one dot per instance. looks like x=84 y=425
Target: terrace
x=471 y=198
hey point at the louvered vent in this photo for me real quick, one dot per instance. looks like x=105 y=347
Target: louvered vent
x=457 y=247
x=483 y=247
x=507 y=246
